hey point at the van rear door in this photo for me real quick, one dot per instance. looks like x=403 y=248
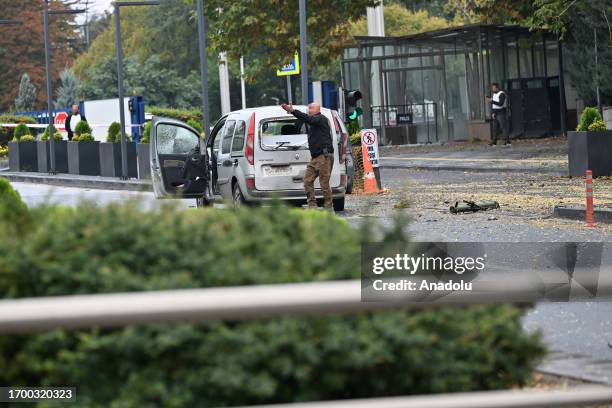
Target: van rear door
x=282 y=154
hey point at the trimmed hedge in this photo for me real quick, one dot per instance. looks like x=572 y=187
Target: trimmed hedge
x=20 y=130
x=588 y=116
x=56 y=134
x=6 y=133
x=27 y=138
x=146 y=134
x=196 y=125
x=82 y=128
x=183 y=115
x=117 y=248
x=84 y=137
x=114 y=133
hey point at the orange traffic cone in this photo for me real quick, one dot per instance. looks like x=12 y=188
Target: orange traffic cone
x=369 y=179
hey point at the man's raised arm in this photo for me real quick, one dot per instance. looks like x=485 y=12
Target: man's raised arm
x=311 y=120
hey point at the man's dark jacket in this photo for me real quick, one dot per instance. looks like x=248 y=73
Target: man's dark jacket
x=319 y=133
x=67 y=125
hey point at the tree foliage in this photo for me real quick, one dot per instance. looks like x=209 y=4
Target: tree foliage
x=26 y=98
x=158 y=84
x=489 y=11
x=401 y=21
x=118 y=248
x=22 y=47
x=68 y=91
x=240 y=27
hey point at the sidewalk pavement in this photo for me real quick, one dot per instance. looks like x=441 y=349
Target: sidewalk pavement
x=547 y=156
x=72 y=180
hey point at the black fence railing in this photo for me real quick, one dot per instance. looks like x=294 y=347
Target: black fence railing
x=406 y=124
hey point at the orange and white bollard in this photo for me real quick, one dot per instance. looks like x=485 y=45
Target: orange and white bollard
x=590 y=217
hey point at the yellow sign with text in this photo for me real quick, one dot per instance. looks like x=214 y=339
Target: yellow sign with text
x=293 y=68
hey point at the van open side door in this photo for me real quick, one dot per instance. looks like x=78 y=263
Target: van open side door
x=178 y=162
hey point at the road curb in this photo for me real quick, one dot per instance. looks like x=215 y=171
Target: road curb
x=79 y=182
x=474 y=169
x=577 y=366
x=579 y=213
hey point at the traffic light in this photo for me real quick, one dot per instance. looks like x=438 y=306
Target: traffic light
x=350 y=104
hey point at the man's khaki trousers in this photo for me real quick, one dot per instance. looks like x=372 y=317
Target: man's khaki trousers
x=321 y=167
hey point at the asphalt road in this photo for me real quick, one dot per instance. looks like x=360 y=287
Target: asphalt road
x=569 y=328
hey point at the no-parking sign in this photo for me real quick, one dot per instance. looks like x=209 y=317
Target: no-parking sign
x=369 y=139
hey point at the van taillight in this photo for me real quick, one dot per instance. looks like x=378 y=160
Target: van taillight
x=344 y=147
x=342 y=154
x=249 y=150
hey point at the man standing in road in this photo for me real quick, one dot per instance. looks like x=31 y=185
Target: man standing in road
x=499 y=113
x=321 y=152
x=72 y=119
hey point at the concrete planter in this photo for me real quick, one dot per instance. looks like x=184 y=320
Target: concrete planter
x=607 y=116
x=590 y=151
x=110 y=159
x=144 y=160
x=84 y=158
x=61 y=156
x=23 y=156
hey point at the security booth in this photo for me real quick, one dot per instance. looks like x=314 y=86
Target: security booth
x=431 y=87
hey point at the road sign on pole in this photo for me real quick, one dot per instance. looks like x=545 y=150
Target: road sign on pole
x=292 y=68
x=304 y=52
x=369 y=139
x=369 y=149
x=203 y=67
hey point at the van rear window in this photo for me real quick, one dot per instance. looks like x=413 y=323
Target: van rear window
x=283 y=133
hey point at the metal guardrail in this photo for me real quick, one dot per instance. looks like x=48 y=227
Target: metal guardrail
x=250 y=302
x=581 y=396
x=227 y=303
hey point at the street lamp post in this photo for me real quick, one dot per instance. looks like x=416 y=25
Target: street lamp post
x=46 y=13
x=303 y=53
x=203 y=67
x=119 y=56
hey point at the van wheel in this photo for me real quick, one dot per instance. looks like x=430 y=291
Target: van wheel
x=339 y=204
x=237 y=196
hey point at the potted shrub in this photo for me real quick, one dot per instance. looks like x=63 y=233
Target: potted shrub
x=60 y=148
x=590 y=146
x=110 y=154
x=6 y=133
x=22 y=151
x=144 y=153
x=21 y=156
x=83 y=154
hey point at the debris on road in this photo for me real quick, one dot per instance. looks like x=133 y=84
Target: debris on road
x=471 y=206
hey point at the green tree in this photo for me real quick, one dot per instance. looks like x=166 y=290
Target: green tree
x=22 y=47
x=489 y=11
x=152 y=79
x=67 y=93
x=27 y=94
x=401 y=21
x=240 y=27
